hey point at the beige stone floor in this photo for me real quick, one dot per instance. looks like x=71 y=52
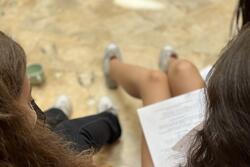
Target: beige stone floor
x=68 y=37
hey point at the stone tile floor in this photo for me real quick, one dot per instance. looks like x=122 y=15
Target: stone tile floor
x=68 y=37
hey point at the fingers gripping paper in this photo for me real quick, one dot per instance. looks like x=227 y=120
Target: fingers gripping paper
x=169 y=127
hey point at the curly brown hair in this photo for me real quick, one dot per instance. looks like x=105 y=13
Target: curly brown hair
x=20 y=145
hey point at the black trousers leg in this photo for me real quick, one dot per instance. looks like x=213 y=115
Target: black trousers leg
x=91 y=132
x=55 y=116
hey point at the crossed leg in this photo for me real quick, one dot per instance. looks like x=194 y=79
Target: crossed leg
x=148 y=85
x=183 y=77
x=153 y=86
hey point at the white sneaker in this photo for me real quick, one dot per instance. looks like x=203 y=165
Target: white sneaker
x=111 y=51
x=63 y=102
x=106 y=104
x=166 y=54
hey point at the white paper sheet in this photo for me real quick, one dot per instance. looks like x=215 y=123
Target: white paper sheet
x=165 y=125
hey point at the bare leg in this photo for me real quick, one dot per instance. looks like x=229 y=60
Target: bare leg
x=150 y=86
x=183 y=77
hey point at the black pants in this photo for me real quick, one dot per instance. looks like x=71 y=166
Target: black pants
x=91 y=132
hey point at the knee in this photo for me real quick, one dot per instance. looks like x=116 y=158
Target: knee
x=156 y=77
x=182 y=66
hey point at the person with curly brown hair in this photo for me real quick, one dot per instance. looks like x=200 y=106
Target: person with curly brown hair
x=27 y=139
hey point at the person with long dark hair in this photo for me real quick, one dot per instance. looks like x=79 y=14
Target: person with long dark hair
x=241 y=16
x=27 y=139
x=224 y=139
